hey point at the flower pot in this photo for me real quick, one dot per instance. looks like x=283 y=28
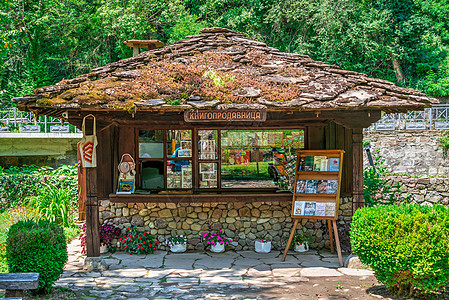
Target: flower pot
x=304 y=247
x=262 y=247
x=217 y=248
x=104 y=249
x=178 y=248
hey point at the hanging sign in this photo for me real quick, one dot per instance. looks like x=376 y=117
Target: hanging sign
x=87 y=145
x=225 y=115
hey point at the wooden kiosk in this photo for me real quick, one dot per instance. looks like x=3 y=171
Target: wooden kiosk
x=218 y=81
x=318 y=186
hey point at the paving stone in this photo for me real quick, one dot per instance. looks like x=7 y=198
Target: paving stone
x=221 y=279
x=356 y=272
x=285 y=270
x=215 y=263
x=256 y=273
x=252 y=254
x=226 y=272
x=128 y=288
x=125 y=273
x=158 y=274
x=180 y=261
x=141 y=298
x=319 y=272
x=247 y=262
x=182 y=280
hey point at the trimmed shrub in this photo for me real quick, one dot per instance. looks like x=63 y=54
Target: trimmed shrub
x=407 y=246
x=37 y=247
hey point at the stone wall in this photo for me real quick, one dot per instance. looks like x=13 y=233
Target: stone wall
x=410 y=152
x=425 y=190
x=243 y=222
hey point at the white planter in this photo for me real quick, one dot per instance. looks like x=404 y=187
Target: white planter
x=178 y=248
x=104 y=249
x=302 y=247
x=262 y=247
x=217 y=248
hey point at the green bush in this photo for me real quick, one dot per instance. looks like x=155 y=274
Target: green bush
x=55 y=205
x=18 y=183
x=407 y=246
x=376 y=189
x=37 y=247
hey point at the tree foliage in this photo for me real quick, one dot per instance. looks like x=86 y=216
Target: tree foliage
x=401 y=40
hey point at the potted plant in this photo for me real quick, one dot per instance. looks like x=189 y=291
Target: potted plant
x=136 y=242
x=177 y=243
x=300 y=241
x=107 y=234
x=262 y=245
x=216 y=240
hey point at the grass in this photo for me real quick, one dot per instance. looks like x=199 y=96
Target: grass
x=14 y=215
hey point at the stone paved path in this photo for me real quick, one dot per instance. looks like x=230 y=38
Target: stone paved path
x=165 y=275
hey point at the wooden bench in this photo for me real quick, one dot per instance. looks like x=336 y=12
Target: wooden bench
x=16 y=283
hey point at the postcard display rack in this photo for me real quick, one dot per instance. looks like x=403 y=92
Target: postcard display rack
x=316 y=191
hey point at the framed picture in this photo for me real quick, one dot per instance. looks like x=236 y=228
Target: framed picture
x=125 y=186
x=207 y=168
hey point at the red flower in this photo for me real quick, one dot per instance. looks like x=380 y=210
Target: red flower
x=154 y=248
x=144 y=242
x=149 y=245
x=140 y=237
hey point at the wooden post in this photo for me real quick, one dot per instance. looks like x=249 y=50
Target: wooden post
x=337 y=242
x=357 y=170
x=92 y=233
x=81 y=188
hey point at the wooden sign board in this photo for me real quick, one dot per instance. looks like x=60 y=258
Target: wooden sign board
x=316 y=193
x=225 y=115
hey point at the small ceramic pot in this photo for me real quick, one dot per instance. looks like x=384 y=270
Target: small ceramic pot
x=217 y=248
x=178 y=248
x=262 y=247
x=304 y=247
x=104 y=249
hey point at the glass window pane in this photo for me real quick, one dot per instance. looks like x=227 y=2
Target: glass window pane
x=179 y=143
x=179 y=174
x=259 y=158
x=152 y=174
x=151 y=143
x=207 y=144
x=208 y=175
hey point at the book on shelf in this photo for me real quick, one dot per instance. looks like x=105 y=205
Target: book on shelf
x=301 y=186
x=333 y=164
x=329 y=210
x=308 y=163
x=301 y=164
x=320 y=163
x=332 y=186
x=309 y=208
x=321 y=187
x=298 y=209
x=320 y=209
x=311 y=186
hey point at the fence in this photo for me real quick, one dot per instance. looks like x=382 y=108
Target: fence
x=436 y=117
x=14 y=120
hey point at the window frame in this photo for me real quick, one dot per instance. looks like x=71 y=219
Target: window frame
x=194 y=159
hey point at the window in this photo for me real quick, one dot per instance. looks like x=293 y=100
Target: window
x=214 y=159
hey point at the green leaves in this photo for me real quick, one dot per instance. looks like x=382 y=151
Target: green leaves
x=407 y=246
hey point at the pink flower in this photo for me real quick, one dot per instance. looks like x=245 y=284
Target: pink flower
x=204 y=235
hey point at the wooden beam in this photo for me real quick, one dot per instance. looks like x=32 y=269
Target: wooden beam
x=200 y=198
x=357 y=169
x=92 y=220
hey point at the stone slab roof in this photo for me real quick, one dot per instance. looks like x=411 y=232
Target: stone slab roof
x=223 y=69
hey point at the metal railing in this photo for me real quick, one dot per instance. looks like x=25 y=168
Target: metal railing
x=436 y=117
x=14 y=120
